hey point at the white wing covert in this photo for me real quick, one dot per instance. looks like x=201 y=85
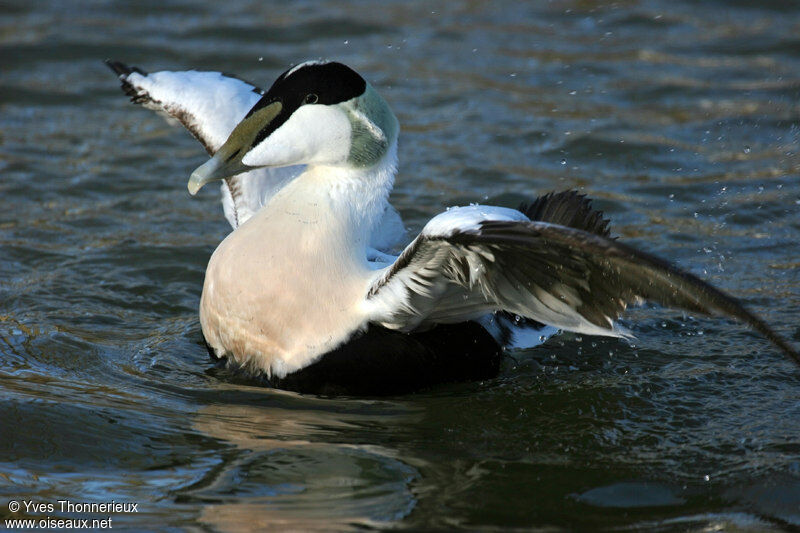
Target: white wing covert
x=208 y=104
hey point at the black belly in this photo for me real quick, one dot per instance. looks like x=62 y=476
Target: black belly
x=381 y=361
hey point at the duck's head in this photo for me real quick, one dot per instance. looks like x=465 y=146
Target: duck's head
x=317 y=113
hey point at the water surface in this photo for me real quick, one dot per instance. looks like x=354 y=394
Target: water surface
x=680 y=118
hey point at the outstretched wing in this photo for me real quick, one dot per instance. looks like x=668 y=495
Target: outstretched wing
x=475 y=259
x=208 y=104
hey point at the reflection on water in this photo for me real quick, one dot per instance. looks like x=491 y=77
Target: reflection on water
x=680 y=118
x=281 y=475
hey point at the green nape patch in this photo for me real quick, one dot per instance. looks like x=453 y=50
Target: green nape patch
x=374 y=128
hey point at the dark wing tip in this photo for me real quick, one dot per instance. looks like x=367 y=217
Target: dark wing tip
x=620 y=271
x=567 y=208
x=762 y=327
x=121 y=69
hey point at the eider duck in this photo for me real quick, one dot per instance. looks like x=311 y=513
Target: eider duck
x=304 y=291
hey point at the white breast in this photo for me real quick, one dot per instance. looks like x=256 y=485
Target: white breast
x=285 y=287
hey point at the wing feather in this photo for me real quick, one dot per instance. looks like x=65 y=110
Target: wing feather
x=208 y=104
x=561 y=276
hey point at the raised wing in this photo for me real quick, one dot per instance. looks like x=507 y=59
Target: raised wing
x=208 y=104
x=475 y=259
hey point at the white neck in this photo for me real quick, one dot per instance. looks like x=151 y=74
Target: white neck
x=355 y=197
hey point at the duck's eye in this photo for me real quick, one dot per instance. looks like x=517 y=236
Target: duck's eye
x=311 y=99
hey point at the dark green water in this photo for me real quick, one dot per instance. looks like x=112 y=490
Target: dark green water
x=681 y=118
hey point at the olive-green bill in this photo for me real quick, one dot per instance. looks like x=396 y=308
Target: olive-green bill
x=228 y=159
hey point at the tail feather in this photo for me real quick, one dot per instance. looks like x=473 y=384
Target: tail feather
x=567 y=208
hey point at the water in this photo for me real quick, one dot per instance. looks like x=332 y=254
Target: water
x=680 y=118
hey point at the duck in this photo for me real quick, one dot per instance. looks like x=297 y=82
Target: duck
x=299 y=294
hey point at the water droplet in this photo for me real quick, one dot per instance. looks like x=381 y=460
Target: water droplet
x=747 y=149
